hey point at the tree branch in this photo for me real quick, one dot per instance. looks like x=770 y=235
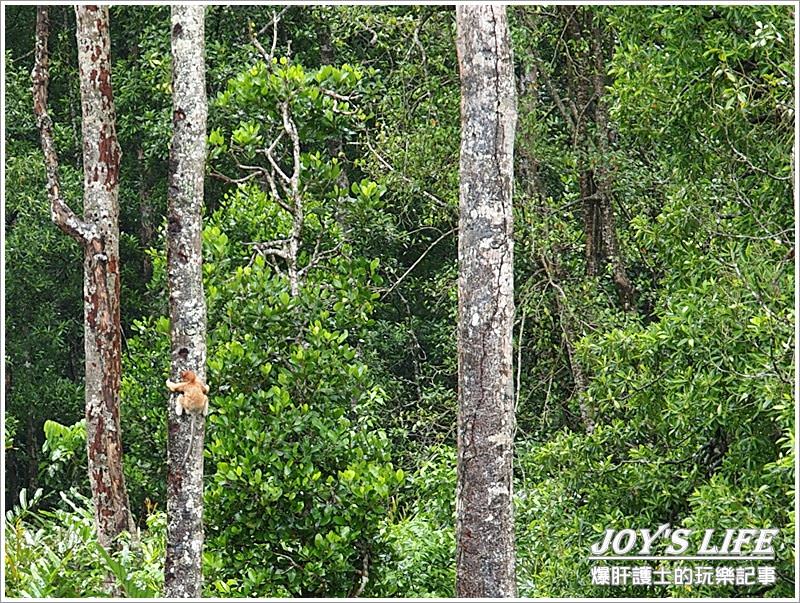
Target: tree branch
x=419 y=259
x=364 y=573
x=562 y=109
x=403 y=177
x=276 y=17
x=60 y=212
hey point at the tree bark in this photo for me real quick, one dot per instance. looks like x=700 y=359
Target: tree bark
x=183 y=571
x=485 y=558
x=98 y=233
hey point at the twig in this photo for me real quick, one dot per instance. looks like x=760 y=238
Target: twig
x=414 y=265
x=290 y=560
x=405 y=178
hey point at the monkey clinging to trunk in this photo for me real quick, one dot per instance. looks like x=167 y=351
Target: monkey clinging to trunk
x=193 y=394
x=193 y=400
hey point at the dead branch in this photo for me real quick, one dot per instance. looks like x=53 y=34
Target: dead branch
x=61 y=214
x=268 y=56
x=403 y=177
x=419 y=259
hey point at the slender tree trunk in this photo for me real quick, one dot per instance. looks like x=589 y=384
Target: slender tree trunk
x=485 y=562
x=568 y=322
x=183 y=571
x=98 y=234
x=611 y=249
x=580 y=95
x=146 y=228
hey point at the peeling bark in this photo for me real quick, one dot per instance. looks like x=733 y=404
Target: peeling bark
x=485 y=562
x=98 y=233
x=183 y=569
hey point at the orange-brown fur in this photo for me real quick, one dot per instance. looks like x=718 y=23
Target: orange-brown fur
x=193 y=393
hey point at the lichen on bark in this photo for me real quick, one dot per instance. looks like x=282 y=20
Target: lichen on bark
x=98 y=234
x=485 y=564
x=183 y=565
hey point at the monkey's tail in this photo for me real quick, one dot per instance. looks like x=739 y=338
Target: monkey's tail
x=192 y=418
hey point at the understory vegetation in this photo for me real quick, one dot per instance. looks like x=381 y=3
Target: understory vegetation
x=654 y=290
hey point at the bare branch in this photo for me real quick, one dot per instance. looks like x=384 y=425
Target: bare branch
x=362 y=583
x=317 y=257
x=419 y=259
x=551 y=89
x=276 y=167
x=403 y=177
x=340 y=97
x=274 y=191
x=296 y=196
x=281 y=253
x=265 y=249
x=275 y=20
x=229 y=180
x=271 y=147
x=290 y=560
x=417 y=43
x=291 y=130
x=61 y=214
x=268 y=56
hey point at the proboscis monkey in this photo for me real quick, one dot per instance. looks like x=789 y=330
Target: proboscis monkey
x=193 y=400
x=193 y=394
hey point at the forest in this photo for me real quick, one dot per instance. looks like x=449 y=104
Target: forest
x=397 y=301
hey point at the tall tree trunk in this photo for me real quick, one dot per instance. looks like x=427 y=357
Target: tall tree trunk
x=98 y=234
x=183 y=571
x=146 y=229
x=485 y=562
x=611 y=249
x=580 y=96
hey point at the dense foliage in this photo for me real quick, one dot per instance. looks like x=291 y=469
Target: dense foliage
x=330 y=452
